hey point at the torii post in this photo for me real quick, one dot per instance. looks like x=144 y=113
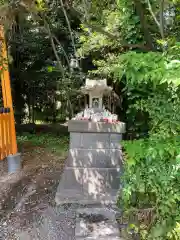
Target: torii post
x=7 y=96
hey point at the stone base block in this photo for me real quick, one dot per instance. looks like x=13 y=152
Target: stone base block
x=94 y=158
x=95 y=127
x=96 y=223
x=95 y=140
x=88 y=185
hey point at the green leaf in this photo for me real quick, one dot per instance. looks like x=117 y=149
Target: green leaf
x=131 y=162
x=50 y=68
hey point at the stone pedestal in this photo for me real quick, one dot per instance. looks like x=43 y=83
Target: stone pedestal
x=93 y=168
x=91 y=179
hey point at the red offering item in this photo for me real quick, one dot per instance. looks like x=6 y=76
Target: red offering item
x=84 y=118
x=115 y=121
x=106 y=120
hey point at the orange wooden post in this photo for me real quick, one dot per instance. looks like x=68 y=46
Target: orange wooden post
x=6 y=89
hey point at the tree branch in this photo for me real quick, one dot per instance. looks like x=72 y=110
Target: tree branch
x=161 y=23
x=69 y=25
x=65 y=55
x=48 y=31
x=138 y=46
x=54 y=47
x=113 y=37
x=161 y=26
x=152 y=13
x=46 y=27
x=144 y=26
x=101 y=30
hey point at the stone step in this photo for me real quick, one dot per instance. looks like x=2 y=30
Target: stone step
x=105 y=211
x=72 y=196
x=97 y=229
x=96 y=223
x=84 y=184
x=100 y=238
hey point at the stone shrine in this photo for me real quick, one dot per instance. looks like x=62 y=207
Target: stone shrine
x=93 y=168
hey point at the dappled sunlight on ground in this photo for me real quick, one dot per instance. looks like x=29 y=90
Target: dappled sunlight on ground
x=27 y=201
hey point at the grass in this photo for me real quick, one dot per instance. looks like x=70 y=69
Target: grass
x=55 y=144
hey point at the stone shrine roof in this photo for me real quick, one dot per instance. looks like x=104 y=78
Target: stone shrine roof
x=96 y=85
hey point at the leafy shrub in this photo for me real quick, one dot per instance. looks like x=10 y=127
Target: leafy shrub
x=152 y=168
x=150 y=86
x=152 y=180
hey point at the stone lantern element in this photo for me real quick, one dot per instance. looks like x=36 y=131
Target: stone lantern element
x=74 y=64
x=94 y=165
x=95 y=111
x=96 y=89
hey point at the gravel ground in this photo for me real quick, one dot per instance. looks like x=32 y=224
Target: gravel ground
x=28 y=210
x=27 y=201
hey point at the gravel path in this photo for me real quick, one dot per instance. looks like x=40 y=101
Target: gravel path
x=34 y=215
x=27 y=200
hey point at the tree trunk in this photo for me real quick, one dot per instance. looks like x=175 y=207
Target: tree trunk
x=19 y=102
x=144 y=26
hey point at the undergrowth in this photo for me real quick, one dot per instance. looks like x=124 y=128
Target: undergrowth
x=56 y=144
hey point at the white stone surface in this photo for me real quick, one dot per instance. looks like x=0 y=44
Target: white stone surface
x=79 y=126
x=96 y=89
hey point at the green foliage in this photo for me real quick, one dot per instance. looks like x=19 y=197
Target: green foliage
x=138 y=68
x=117 y=26
x=163 y=111
x=150 y=80
x=151 y=180
x=129 y=27
x=93 y=41
x=152 y=167
x=143 y=68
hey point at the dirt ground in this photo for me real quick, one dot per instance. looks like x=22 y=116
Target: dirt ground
x=27 y=207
